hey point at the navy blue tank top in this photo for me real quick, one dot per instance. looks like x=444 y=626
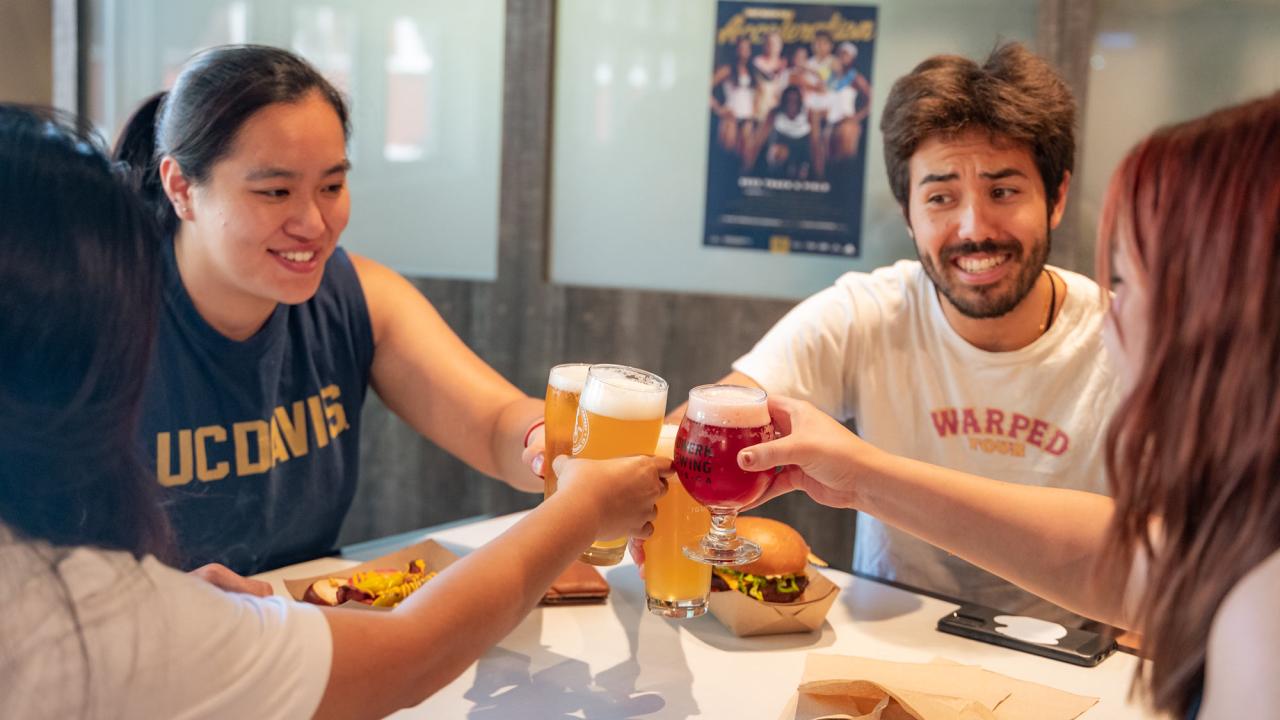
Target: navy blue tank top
x=256 y=443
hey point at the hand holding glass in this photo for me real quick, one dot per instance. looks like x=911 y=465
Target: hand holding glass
x=720 y=421
x=620 y=414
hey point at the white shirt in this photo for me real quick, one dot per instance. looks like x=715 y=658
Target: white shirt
x=793 y=127
x=877 y=348
x=740 y=96
x=151 y=642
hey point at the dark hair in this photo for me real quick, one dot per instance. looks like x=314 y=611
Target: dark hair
x=196 y=122
x=788 y=91
x=1015 y=96
x=79 y=288
x=1197 y=442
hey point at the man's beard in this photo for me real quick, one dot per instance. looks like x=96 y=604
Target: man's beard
x=991 y=302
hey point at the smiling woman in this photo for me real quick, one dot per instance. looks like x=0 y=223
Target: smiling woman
x=271 y=333
x=279 y=194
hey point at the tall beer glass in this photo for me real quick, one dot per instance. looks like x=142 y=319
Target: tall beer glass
x=564 y=387
x=620 y=414
x=720 y=421
x=674 y=585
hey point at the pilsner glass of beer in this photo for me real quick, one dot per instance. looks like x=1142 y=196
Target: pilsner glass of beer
x=564 y=387
x=674 y=585
x=619 y=414
x=720 y=421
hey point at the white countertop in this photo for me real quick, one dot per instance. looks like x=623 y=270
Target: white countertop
x=614 y=661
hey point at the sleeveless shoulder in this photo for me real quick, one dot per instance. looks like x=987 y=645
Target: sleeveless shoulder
x=1245 y=634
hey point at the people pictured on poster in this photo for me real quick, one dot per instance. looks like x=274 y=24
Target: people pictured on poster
x=771 y=68
x=790 y=95
x=733 y=98
x=789 y=153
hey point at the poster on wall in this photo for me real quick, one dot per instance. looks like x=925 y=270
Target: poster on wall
x=790 y=95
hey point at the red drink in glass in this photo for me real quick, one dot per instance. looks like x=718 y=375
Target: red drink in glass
x=720 y=421
x=706 y=458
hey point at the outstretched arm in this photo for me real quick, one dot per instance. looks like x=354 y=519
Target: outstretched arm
x=425 y=373
x=387 y=661
x=1045 y=540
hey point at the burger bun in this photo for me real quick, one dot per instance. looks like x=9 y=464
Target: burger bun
x=783 y=550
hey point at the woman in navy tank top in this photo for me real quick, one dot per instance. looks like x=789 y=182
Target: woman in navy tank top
x=271 y=334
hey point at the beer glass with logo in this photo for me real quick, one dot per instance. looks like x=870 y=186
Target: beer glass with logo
x=674 y=585
x=720 y=421
x=619 y=414
x=564 y=387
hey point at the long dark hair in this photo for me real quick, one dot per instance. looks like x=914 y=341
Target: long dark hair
x=1196 y=445
x=79 y=279
x=196 y=122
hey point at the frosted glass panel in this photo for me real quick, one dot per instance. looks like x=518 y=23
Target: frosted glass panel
x=630 y=142
x=425 y=82
x=1156 y=62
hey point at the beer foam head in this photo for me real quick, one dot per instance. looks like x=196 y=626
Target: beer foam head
x=624 y=393
x=728 y=406
x=569 y=378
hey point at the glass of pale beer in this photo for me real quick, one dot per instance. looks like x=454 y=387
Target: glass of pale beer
x=564 y=387
x=619 y=414
x=720 y=421
x=674 y=585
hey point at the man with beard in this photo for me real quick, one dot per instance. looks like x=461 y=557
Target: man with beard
x=979 y=356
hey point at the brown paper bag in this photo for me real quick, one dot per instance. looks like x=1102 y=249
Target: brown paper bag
x=938 y=689
x=864 y=700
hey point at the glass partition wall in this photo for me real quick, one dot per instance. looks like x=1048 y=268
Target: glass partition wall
x=424 y=78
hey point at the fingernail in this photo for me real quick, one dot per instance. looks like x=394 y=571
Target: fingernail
x=746 y=457
x=537 y=464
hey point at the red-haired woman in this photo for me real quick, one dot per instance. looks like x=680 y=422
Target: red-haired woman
x=1188 y=549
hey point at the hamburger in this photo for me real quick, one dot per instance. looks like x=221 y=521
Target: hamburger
x=779 y=575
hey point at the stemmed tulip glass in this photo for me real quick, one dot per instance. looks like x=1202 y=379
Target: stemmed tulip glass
x=720 y=421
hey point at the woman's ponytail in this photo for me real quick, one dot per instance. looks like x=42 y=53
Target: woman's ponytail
x=135 y=151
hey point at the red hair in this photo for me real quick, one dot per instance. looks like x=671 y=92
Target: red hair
x=1196 y=445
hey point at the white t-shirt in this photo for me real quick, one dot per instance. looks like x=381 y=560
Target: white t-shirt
x=877 y=348
x=151 y=642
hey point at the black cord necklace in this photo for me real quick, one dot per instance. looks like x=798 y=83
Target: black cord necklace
x=1053 y=304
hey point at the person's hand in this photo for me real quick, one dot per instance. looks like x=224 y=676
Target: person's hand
x=223 y=577
x=534 y=455
x=816 y=454
x=621 y=493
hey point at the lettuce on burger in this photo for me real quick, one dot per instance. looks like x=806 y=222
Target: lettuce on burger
x=779 y=575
